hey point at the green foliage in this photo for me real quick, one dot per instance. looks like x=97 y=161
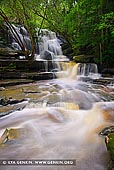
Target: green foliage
x=12 y=65
x=107 y=21
x=87 y=25
x=110 y=145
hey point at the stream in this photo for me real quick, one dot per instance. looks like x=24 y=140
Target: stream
x=60 y=119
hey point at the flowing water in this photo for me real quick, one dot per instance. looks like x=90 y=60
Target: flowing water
x=47 y=44
x=61 y=119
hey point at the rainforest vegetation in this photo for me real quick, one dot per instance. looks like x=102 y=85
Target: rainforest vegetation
x=86 y=25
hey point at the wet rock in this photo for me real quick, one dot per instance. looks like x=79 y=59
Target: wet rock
x=66 y=105
x=11 y=111
x=108 y=71
x=49 y=88
x=4 y=137
x=106 y=131
x=9 y=134
x=102 y=81
x=2 y=88
x=5 y=101
x=52 y=98
x=47 y=55
x=67 y=50
x=14 y=82
x=38 y=76
x=24 y=75
x=30 y=91
x=8 y=52
x=12 y=101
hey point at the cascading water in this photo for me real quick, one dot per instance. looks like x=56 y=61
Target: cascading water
x=20 y=34
x=49 y=42
x=50 y=49
x=78 y=71
x=88 y=70
x=48 y=46
x=61 y=119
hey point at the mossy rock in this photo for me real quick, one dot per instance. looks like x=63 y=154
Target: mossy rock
x=84 y=58
x=106 y=131
x=109 y=140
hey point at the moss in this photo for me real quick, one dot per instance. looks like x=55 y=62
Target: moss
x=110 y=145
x=83 y=58
x=12 y=65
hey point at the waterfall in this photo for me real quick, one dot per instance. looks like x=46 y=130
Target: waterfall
x=86 y=69
x=49 y=42
x=48 y=46
x=61 y=119
x=78 y=71
x=20 y=34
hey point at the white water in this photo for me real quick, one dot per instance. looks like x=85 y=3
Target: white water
x=57 y=133
x=49 y=42
x=87 y=68
x=77 y=71
x=61 y=121
x=21 y=32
